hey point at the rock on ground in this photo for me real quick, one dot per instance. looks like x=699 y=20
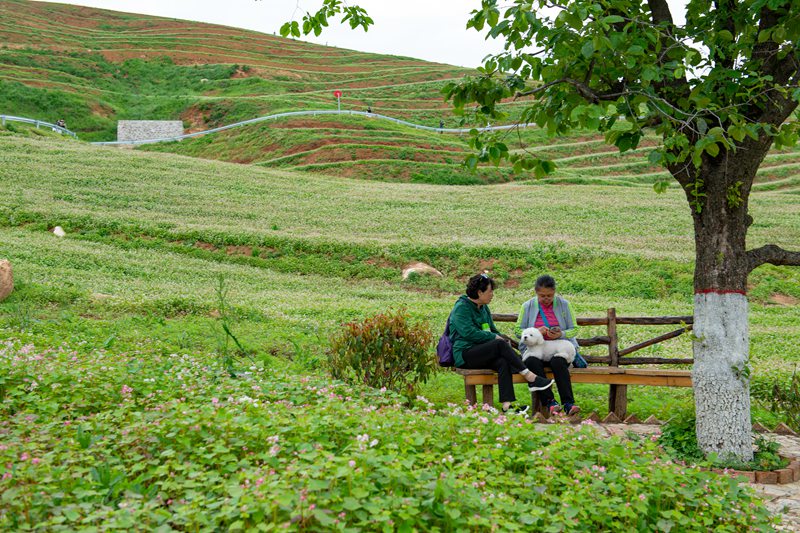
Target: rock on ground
x=6 y=279
x=419 y=268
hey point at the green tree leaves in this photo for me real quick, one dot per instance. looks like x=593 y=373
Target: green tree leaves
x=354 y=15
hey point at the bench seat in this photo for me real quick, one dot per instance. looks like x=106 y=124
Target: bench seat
x=607 y=375
x=596 y=374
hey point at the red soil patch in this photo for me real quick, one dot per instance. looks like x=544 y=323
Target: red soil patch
x=242 y=73
x=783 y=299
x=317 y=124
x=364 y=154
x=101 y=110
x=380 y=262
x=514 y=278
x=239 y=250
x=205 y=246
x=197 y=119
x=486 y=264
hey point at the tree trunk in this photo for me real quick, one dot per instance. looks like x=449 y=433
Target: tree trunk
x=720 y=379
x=721 y=347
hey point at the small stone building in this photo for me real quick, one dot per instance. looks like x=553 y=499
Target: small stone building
x=143 y=130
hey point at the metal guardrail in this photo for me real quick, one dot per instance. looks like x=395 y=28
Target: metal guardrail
x=312 y=113
x=37 y=123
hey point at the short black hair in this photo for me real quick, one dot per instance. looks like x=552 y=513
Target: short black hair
x=545 y=281
x=478 y=282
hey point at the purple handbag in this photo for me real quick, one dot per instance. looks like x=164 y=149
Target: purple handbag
x=444 y=350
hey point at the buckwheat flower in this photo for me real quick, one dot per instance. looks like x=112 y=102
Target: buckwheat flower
x=642 y=497
x=352 y=463
x=636 y=475
x=126 y=390
x=215 y=401
x=24 y=456
x=35 y=460
x=7 y=475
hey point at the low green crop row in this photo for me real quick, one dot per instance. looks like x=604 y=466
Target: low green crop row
x=116 y=440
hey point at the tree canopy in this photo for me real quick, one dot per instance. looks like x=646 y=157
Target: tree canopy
x=720 y=89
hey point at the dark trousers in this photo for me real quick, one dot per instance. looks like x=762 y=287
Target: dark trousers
x=501 y=358
x=560 y=373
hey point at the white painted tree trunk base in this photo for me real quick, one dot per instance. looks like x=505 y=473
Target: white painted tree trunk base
x=721 y=383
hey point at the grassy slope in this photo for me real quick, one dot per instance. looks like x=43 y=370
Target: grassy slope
x=112 y=66
x=148 y=234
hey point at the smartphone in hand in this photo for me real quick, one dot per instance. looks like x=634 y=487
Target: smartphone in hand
x=555 y=330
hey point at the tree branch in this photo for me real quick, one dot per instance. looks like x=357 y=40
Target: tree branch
x=582 y=89
x=660 y=11
x=772 y=254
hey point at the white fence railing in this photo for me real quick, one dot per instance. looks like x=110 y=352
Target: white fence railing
x=314 y=113
x=37 y=123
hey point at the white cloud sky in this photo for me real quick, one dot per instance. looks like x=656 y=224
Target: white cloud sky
x=434 y=30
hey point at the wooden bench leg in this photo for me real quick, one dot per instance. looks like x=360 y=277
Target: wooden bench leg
x=618 y=400
x=472 y=396
x=537 y=405
x=488 y=395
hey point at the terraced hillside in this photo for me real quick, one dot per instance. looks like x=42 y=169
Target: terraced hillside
x=93 y=67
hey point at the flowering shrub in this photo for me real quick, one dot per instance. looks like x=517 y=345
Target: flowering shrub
x=166 y=442
x=383 y=351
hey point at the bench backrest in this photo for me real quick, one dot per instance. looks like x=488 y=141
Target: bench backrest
x=617 y=357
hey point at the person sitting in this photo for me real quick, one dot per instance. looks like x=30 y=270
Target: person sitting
x=552 y=315
x=478 y=344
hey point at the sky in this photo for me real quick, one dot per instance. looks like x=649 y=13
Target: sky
x=433 y=30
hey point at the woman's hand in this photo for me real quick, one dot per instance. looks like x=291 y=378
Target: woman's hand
x=544 y=330
x=552 y=335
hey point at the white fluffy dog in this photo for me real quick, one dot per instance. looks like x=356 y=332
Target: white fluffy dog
x=545 y=350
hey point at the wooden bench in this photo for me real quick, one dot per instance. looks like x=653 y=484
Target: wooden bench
x=610 y=370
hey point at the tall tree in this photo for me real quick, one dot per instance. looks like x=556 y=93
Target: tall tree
x=720 y=90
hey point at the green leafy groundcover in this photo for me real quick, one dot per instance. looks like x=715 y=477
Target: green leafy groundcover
x=95 y=440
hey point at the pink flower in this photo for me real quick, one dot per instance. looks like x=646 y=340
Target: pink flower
x=35 y=460
x=642 y=497
x=352 y=463
x=126 y=390
x=24 y=456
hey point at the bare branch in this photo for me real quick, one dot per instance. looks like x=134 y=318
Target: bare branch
x=772 y=254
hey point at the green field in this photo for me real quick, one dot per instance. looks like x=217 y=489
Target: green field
x=127 y=300
x=303 y=252
x=118 y=405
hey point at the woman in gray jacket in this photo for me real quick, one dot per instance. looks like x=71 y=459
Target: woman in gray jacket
x=553 y=317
